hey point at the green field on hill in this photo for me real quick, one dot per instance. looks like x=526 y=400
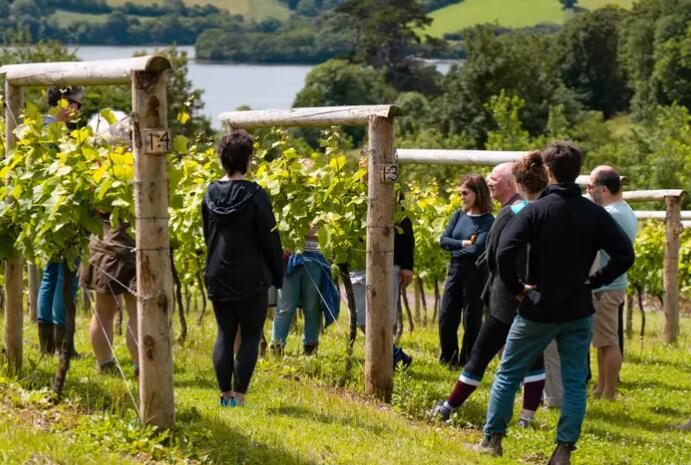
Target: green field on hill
x=509 y=13
x=257 y=9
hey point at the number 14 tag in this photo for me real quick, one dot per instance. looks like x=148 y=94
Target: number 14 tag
x=156 y=141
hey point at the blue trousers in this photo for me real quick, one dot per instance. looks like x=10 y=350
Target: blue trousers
x=51 y=299
x=527 y=340
x=299 y=287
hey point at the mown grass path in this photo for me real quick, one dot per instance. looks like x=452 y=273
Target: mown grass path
x=309 y=411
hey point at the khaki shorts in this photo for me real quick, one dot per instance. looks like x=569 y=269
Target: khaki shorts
x=112 y=267
x=606 y=305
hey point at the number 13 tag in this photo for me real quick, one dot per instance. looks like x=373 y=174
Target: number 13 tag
x=156 y=141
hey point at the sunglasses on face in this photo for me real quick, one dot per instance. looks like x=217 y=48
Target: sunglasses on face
x=591 y=186
x=75 y=103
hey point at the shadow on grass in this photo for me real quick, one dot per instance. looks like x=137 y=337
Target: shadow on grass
x=635 y=359
x=222 y=444
x=307 y=414
x=652 y=384
x=618 y=419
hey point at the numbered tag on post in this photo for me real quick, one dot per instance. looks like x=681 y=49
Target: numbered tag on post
x=156 y=141
x=388 y=173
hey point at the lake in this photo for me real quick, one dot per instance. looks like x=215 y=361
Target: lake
x=226 y=86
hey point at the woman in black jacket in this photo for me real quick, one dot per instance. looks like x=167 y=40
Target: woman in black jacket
x=244 y=258
x=531 y=178
x=464 y=238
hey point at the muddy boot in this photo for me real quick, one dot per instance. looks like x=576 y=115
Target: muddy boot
x=276 y=349
x=59 y=335
x=46 y=339
x=311 y=349
x=561 y=455
x=490 y=445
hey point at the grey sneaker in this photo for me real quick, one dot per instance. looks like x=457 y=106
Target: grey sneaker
x=525 y=422
x=441 y=411
x=561 y=455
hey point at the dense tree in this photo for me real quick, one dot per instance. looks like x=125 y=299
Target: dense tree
x=587 y=57
x=512 y=62
x=384 y=33
x=653 y=44
x=337 y=82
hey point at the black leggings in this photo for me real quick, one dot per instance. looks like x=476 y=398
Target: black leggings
x=491 y=339
x=461 y=298
x=248 y=315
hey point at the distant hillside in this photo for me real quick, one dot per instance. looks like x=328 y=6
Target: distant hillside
x=509 y=13
x=257 y=9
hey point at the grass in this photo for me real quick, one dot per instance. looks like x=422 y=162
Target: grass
x=255 y=9
x=65 y=18
x=310 y=411
x=508 y=13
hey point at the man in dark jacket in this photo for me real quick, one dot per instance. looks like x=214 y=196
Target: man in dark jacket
x=564 y=231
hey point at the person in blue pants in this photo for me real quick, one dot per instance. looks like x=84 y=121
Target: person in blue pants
x=51 y=298
x=564 y=232
x=308 y=284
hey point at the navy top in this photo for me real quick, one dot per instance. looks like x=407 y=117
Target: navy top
x=461 y=228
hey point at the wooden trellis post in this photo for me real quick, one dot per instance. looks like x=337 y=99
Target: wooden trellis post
x=670 y=274
x=380 y=238
x=154 y=278
x=380 y=209
x=14 y=282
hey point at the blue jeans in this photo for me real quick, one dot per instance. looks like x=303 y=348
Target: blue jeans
x=299 y=287
x=527 y=340
x=51 y=299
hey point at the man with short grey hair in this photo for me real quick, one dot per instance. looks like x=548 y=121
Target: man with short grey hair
x=502 y=186
x=605 y=190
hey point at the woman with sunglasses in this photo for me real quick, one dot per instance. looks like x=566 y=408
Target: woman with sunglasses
x=465 y=238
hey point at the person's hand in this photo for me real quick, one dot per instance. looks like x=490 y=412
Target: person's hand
x=526 y=288
x=405 y=277
x=466 y=243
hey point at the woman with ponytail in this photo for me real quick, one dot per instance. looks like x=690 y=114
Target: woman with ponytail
x=531 y=177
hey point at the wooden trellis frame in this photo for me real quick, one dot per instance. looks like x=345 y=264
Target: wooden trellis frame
x=147 y=76
x=672 y=198
x=380 y=218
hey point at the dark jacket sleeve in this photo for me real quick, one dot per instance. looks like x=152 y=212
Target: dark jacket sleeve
x=446 y=241
x=476 y=249
x=513 y=241
x=404 y=245
x=269 y=239
x=617 y=245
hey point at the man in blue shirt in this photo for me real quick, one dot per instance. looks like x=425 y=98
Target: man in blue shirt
x=605 y=190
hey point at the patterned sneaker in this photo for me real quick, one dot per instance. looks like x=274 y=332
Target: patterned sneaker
x=108 y=368
x=525 y=422
x=441 y=411
x=231 y=402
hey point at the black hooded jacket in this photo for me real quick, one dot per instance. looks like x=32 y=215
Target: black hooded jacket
x=244 y=254
x=564 y=232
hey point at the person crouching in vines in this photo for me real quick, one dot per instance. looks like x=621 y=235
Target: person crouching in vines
x=64 y=108
x=307 y=283
x=111 y=273
x=244 y=258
